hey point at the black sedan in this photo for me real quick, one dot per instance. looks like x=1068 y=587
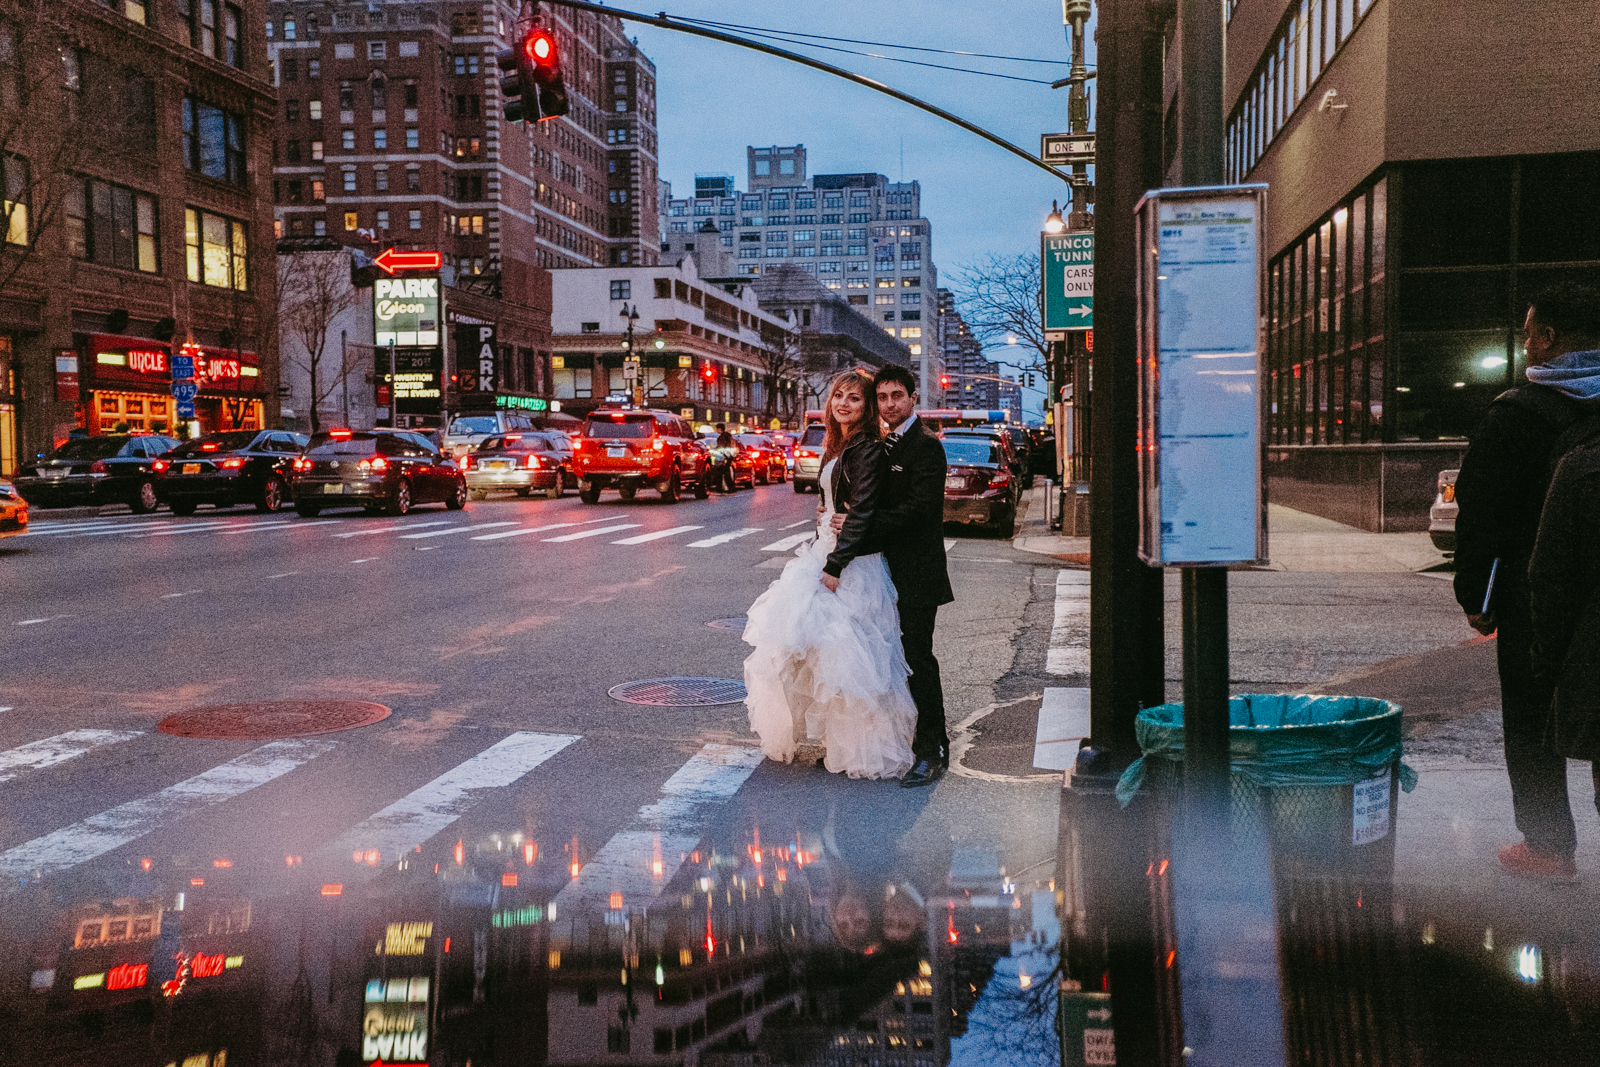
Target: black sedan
x=521 y=462
x=226 y=469
x=380 y=470
x=979 y=488
x=108 y=469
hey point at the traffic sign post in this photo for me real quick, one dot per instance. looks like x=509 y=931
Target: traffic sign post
x=1067 y=149
x=1067 y=265
x=185 y=392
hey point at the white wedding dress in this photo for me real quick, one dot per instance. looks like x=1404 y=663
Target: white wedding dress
x=829 y=667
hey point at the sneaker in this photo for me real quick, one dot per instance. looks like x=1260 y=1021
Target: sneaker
x=1524 y=862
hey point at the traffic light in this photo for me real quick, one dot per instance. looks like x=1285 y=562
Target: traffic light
x=944 y=381
x=708 y=371
x=512 y=83
x=534 y=90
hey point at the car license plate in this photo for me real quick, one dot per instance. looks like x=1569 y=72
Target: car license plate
x=336 y=487
x=499 y=465
x=191 y=468
x=616 y=453
x=955 y=481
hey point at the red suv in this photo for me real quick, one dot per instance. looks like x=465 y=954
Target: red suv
x=629 y=448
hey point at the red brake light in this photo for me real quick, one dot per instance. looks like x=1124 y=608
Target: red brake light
x=159 y=465
x=232 y=463
x=301 y=463
x=377 y=465
x=97 y=467
x=1000 y=478
x=533 y=462
x=340 y=435
x=617 y=418
x=209 y=446
x=466 y=462
x=658 y=444
x=513 y=437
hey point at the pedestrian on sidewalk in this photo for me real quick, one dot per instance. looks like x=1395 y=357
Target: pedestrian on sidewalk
x=1500 y=493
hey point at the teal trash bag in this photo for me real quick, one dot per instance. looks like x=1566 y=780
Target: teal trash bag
x=1277 y=740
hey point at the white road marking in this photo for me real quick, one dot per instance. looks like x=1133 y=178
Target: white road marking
x=665 y=830
x=424 y=812
x=67 y=526
x=640 y=539
x=1069 y=634
x=175 y=596
x=391 y=529
x=949 y=543
x=6 y=708
x=1063 y=722
x=296 y=524
x=789 y=542
x=285 y=574
x=524 y=531
x=195 y=527
x=423 y=548
x=36 y=755
x=712 y=542
x=596 y=532
x=364 y=559
x=802 y=522
x=456 y=530
x=115 y=827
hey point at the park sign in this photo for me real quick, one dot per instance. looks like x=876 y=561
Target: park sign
x=1067 y=275
x=405 y=312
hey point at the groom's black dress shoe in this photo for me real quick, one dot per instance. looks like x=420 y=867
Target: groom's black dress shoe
x=923 y=772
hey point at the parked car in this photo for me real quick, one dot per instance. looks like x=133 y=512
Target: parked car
x=13 y=511
x=381 y=470
x=979 y=488
x=808 y=458
x=518 y=462
x=229 y=468
x=769 y=462
x=465 y=431
x=1442 y=515
x=744 y=458
x=1015 y=441
x=628 y=448
x=108 y=469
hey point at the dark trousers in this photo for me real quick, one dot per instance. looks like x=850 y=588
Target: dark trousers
x=930 y=742
x=1538 y=774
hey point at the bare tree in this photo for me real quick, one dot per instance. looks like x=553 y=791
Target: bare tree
x=780 y=365
x=313 y=291
x=56 y=118
x=999 y=299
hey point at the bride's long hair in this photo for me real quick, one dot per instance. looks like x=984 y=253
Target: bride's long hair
x=837 y=435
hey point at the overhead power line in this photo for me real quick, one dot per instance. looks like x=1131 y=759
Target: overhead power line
x=896 y=59
x=875 y=44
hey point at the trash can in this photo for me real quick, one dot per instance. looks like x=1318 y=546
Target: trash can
x=1318 y=776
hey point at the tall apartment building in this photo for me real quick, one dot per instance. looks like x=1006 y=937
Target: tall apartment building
x=135 y=188
x=859 y=233
x=391 y=131
x=973 y=381
x=1404 y=235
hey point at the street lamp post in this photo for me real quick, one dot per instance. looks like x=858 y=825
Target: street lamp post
x=631 y=361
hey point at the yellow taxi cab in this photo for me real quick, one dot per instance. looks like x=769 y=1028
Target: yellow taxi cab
x=13 y=511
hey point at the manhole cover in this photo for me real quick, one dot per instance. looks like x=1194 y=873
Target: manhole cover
x=273 y=718
x=736 y=623
x=679 y=692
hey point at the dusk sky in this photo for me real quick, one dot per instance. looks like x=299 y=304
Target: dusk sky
x=714 y=99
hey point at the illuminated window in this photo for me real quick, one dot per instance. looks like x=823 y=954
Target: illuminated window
x=14 y=184
x=350 y=221
x=910 y=331
x=314 y=110
x=318 y=190
x=316 y=150
x=217 y=249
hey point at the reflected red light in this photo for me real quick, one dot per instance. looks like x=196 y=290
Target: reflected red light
x=616 y=901
x=291 y=861
x=575 y=869
x=197 y=881
x=460 y=853
x=530 y=852
x=333 y=889
x=146 y=863
x=757 y=855
x=695 y=856
x=447 y=944
x=509 y=878
x=220 y=864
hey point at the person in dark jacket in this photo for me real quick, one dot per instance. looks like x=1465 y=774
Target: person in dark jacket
x=1564 y=600
x=1500 y=493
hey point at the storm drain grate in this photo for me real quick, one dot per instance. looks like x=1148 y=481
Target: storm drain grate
x=735 y=623
x=679 y=692
x=273 y=719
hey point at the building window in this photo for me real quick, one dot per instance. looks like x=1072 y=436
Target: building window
x=377 y=50
x=776 y=253
x=213 y=141
x=832 y=250
x=105 y=223
x=884 y=298
x=415 y=220
x=413 y=179
x=319 y=227
x=291 y=111
x=408 y=49
x=288 y=26
x=910 y=298
x=380 y=139
x=910 y=331
x=411 y=138
x=383 y=220
x=806 y=250
x=779 y=236
x=318 y=191
x=622 y=289
x=349 y=181
x=291 y=151
x=314 y=110
x=380 y=179
x=316 y=150
x=313 y=68
x=351 y=221
x=217 y=249
x=288 y=70
x=214 y=28
x=828 y=268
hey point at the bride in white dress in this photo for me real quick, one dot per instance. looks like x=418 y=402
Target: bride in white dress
x=828 y=663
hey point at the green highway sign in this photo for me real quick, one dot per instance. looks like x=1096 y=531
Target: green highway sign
x=1067 y=260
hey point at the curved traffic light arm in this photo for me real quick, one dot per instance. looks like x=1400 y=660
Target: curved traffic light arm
x=664 y=21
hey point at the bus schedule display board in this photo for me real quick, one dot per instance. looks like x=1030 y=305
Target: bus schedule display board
x=1200 y=346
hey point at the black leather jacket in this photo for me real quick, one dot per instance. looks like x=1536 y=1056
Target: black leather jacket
x=857 y=481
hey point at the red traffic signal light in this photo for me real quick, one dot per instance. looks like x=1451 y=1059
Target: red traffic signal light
x=534 y=90
x=944 y=382
x=540 y=48
x=709 y=372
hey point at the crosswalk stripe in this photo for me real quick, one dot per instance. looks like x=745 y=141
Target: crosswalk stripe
x=37 y=755
x=657 y=535
x=426 y=811
x=802 y=522
x=115 y=827
x=295 y=524
x=723 y=538
x=195 y=527
x=1069 y=632
x=1063 y=722
x=949 y=543
x=596 y=532
x=665 y=830
x=391 y=529
x=456 y=530
x=792 y=541
x=525 y=530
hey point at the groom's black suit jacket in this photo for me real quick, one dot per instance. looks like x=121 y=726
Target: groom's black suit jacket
x=908 y=523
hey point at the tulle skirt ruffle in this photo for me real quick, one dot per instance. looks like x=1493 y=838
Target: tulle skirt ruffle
x=830 y=667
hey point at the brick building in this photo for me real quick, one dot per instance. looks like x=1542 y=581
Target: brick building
x=391 y=134
x=135 y=148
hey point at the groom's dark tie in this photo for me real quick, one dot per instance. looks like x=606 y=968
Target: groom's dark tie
x=891 y=440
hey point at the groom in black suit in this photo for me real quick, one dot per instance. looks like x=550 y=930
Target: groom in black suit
x=908 y=527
